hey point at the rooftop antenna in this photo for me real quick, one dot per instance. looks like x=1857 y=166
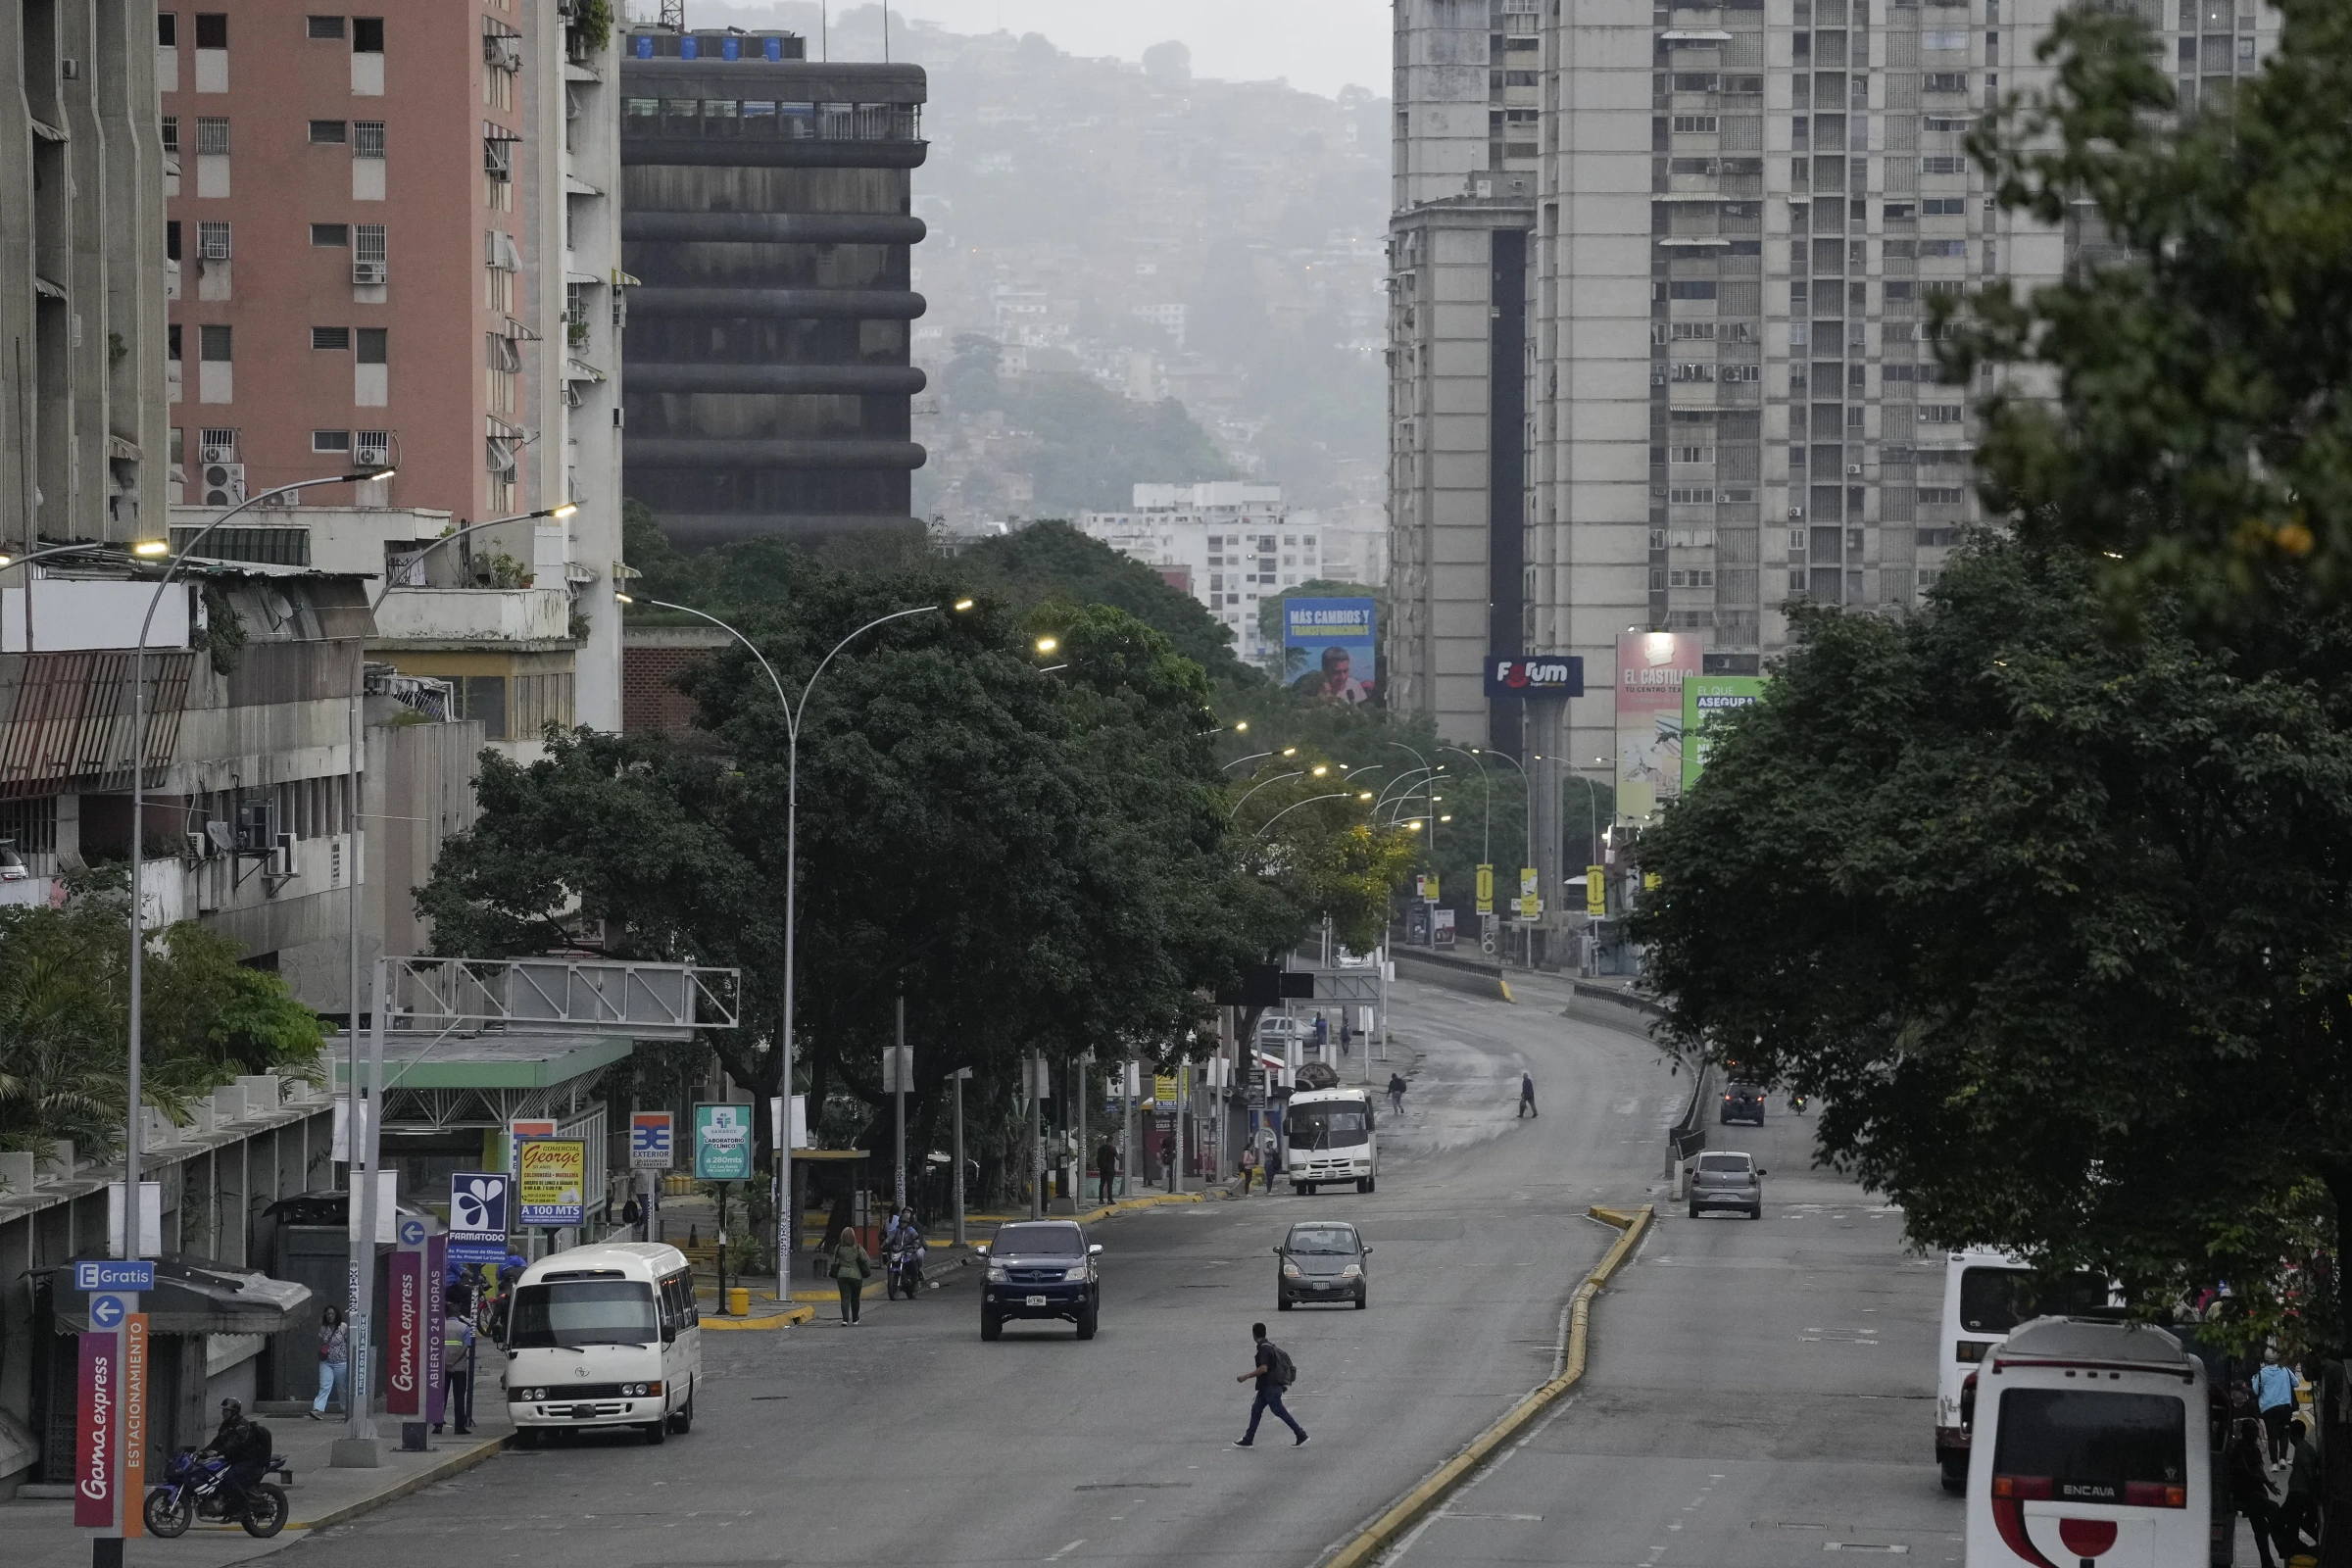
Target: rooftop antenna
x=673 y=15
x=886 y=31
x=824 y=30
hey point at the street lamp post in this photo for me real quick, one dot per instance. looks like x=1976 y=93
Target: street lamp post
x=1254 y=788
x=133 y=1086
x=793 y=716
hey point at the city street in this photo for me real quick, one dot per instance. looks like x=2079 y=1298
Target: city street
x=1761 y=1393
x=909 y=1441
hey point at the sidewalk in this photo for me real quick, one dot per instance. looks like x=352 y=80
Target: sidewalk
x=40 y=1534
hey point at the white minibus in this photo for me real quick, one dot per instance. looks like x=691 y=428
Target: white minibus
x=1332 y=1138
x=1986 y=1294
x=2090 y=1448
x=604 y=1337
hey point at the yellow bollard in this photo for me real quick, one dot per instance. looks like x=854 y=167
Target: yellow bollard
x=739 y=1301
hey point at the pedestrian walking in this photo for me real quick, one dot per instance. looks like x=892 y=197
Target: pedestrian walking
x=1248 y=1167
x=2250 y=1491
x=1322 y=1032
x=1397 y=1094
x=852 y=1267
x=1167 y=1164
x=1274 y=1372
x=632 y=1214
x=457 y=1360
x=1346 y=1029
x=1107 y=1170
x=1527 y=1095
x=334 y=1360
x=2275 y=1394
x=2299 y=1514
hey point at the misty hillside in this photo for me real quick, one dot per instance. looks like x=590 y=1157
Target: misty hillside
x=1109 y=237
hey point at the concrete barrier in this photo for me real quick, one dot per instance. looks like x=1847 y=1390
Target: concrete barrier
x=1476 y=976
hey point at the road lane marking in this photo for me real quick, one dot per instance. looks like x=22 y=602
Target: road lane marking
x=1066 y=1551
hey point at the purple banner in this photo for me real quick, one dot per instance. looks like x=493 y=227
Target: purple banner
x=404 y=1350
x=436 y=1305
x=96 y=1437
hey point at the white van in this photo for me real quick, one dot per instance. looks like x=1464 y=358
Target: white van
x=1331 y=1137
x=602 y=1337
x=2090 y=1444
x=1986 y=1294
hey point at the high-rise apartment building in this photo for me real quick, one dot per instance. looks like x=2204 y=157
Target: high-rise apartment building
x=398 y=244
x=1226 y=543
x=770 y=217
x=1713 y=280
x=83 y=448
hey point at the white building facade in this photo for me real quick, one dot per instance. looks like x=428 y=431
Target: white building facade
x=1226 y=543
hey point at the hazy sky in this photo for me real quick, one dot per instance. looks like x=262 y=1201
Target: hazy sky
x=1320 y=45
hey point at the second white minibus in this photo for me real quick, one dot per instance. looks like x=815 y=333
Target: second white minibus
x=604 y=1337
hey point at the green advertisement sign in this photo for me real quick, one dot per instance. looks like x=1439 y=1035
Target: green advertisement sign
x=722 y=1143
x=1706 y=701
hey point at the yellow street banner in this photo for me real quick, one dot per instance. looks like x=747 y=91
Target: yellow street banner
x=1596 y=890
x=1486 y=890
x=550 y=1175
x=1164 y=1089
x=1531 y=894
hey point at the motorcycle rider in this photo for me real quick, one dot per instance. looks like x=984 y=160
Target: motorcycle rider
x=904 y=1250
x=244 y=1448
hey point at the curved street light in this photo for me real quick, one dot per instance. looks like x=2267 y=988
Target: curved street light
x=1254 y=788
x=1485 y=837
x=793 y=715
x=1294 y=805
x=130 y=1246
x=148 y=549
x=1529 y=813
x=1400 y=788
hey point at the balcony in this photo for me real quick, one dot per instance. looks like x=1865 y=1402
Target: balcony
x=473 y=616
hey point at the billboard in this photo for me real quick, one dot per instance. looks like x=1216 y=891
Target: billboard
x=722 y=1142
x=1707 y=699
x=1535 y=675
x=1651 y=667
x=550 y=1175
x=1329 y=651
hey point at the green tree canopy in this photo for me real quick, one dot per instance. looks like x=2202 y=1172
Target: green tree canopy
x=2055 y=926
x=2201 y=432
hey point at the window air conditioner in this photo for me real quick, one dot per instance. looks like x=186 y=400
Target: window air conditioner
x=372 y=456
x=369 y=272
x=281 y=856
x=214 y=454
x=1796 y=514
x=223 y=484
x=200 y=845
x=1853 y=470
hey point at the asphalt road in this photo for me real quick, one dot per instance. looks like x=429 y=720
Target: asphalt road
x=1760 y=1392
x=909 y=1441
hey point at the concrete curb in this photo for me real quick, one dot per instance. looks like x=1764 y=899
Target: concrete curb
x=790 y=1316
x=462 y=1460
x=1441 y=1483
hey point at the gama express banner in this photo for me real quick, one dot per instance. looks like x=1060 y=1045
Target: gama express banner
x=1650 y=668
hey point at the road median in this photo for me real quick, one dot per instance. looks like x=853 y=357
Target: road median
x=1441 y=1483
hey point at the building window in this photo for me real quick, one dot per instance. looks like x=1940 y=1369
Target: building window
x=367 y=244
x=372 y=345
x=171 y=134
x=335 y=441
x=367 y=138
x=326 y=26
x=213 y=343
x=166 y=30
x=211 y=30
x=366 y=35
x=328 y=133
x=212 y=137
x=335 y=235
x=171 y=346
x=172 y=239
x=212 y=240
x=330 y=337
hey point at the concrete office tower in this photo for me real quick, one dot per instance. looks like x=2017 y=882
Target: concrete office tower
x=83 y=443
x=767 y=220
x=1740 y=213
x=396 y=245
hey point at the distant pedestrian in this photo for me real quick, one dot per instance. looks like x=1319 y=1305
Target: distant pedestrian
x=2249 y=1487
x=334 y=1360
x=851 y=1268
x=1527 y=1095
x=1397 y=1094
x=457 y=1360
x=2299 y=1514
x=632 y=1214
x=1346 y=1029
x=1274 y=1372
x=1167 y=1164
x=1106 y=1169
x=1322 y=1031
x=2275 y=1394
x=1248 y=1167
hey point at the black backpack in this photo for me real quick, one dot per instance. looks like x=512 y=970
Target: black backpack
x=1285 y=1371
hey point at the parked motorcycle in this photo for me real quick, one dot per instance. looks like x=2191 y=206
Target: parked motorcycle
x=196 y=1487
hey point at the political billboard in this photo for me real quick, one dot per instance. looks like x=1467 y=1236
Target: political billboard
x=1707 y=699
x=1330 y=648
x=1651 y=667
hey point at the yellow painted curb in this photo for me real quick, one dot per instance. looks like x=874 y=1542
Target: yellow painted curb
x=1441 y=1483
x=774 y=1320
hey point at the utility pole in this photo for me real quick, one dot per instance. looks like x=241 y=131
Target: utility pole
x=897 y=1074
x=1078 y=1092
x=1184 y=1109
x=957 y=1078
x=1131 y=1086
x=1037 y=1138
